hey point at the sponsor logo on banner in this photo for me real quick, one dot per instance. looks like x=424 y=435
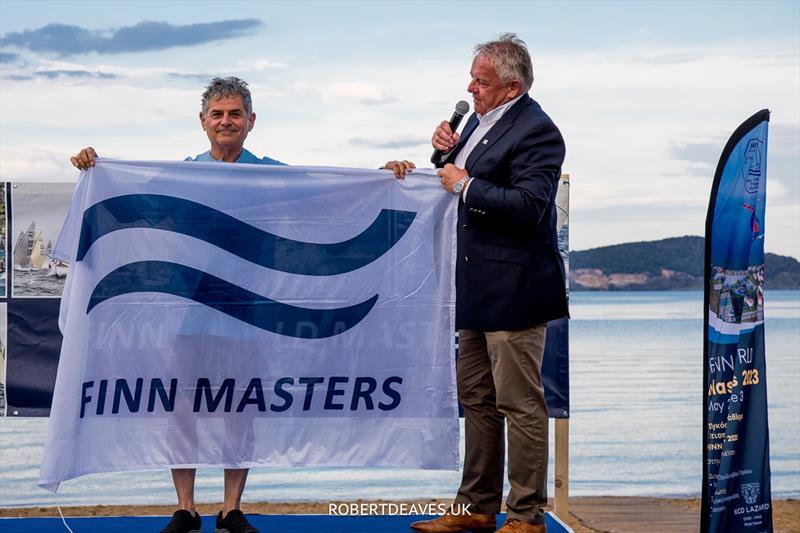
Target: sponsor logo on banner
x=750 y=492
x=751 y=171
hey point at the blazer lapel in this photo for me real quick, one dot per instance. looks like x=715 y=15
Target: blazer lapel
x=497 y=131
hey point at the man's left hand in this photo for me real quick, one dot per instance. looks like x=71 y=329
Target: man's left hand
x=449 y=176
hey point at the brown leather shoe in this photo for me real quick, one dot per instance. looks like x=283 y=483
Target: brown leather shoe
x=513 y=525
x=458 y=523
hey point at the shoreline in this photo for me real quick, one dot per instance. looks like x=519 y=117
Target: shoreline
x=588 y=514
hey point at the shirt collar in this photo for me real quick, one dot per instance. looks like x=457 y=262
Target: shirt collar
x=244 y=157
x=497 y=113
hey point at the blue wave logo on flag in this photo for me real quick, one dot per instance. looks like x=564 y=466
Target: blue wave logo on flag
x=202 y=222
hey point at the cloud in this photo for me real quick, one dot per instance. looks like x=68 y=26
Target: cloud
x=787 y=134
x=75 y=74
x=402 y=142
x=783 y=163
x=205 y=78
x=52 y=70
x=704 y=153
x=67 y=40
x=303 y=88
x=8 y=57
x=667 y=57
x=362 y=92
x=264 y=64
x=49 y=69
x=35 y=163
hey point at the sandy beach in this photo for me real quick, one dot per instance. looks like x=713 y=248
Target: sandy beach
x=587 y=514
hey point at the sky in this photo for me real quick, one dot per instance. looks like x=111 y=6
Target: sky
x=645 y=93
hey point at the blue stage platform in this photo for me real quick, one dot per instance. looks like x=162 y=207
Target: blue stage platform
x=266 y=523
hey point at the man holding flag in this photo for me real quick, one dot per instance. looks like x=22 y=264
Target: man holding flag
x=227 y=117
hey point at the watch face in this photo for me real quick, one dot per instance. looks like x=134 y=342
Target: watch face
x=459 y=186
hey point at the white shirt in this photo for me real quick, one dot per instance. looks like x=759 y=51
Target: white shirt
x=485 y=123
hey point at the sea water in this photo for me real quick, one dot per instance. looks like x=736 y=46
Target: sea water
x=37 y=283
x=636 y=383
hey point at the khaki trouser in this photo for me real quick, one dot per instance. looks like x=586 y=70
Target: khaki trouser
x=499 y=378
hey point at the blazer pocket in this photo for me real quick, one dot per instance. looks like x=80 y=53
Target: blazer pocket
x=507 y=254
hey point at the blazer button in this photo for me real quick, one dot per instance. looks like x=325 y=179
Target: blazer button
x=466 y=259
x=465 y=227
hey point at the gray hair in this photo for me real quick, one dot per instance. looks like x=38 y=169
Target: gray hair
x=511 y=59
x=231 y=86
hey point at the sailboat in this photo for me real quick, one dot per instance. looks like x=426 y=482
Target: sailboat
x=32 y=253
x=54 y=266
x=57 y=268
x=24 y=248
x=38 y=256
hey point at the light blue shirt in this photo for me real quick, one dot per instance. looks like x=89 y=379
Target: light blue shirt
x=245 y=157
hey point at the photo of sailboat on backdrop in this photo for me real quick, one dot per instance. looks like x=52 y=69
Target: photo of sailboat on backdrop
x=32 y=253
x=35 y=273
x=38 y=210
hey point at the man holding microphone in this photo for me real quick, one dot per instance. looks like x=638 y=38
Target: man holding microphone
x=505 y=169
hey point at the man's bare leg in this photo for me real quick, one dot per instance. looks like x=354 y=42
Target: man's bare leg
x=235 y=479
x=183 y=478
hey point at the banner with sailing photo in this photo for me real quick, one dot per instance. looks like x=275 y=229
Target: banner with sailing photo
x=243 y=315
x=37 y=210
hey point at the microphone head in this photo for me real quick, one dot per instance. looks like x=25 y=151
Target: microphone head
x=462 y=107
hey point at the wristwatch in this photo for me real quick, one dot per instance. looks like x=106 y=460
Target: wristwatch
x=459 y=185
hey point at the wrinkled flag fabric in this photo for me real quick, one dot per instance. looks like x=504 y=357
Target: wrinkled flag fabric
x=241 y=315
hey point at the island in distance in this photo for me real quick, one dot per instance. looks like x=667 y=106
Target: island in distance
x=667 y=264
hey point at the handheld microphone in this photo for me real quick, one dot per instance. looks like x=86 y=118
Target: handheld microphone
x=462 y=108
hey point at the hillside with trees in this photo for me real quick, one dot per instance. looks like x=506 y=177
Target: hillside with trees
x=668 y=264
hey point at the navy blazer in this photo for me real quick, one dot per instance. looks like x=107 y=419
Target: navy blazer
x=509 y=273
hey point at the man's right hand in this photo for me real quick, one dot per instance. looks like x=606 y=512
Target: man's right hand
x=84 y=159
x=444 y=139
x=400 y=168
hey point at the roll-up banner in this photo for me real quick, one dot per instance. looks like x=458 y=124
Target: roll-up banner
x=736 y=493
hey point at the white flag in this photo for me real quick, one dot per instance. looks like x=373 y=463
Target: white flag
x=243 y=315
